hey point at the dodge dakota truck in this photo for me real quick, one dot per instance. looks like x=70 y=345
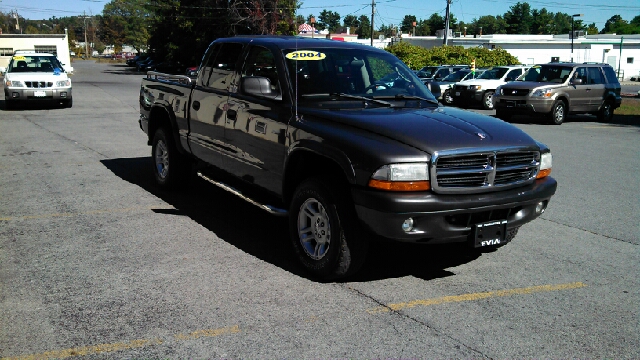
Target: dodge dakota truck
x=305 y=128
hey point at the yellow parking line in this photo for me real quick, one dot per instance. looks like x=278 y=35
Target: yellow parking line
x=106 y=348
x=91 y=212
x=474 y=297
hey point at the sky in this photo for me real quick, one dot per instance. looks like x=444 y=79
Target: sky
x=387 y=12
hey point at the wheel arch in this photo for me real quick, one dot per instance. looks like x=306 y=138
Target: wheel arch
x=159 y=117
x=309 y=161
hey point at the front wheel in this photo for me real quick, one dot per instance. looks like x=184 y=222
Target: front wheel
x=447 y=99
x=171 y=169
x=558 y=112
x=606 y=112
x=487 y=100
x=326 y=237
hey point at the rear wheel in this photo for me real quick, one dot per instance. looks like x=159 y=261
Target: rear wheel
x=171 y=169
x=487 y=100
x=606 y=112
x=558 y=112
x=324 y=230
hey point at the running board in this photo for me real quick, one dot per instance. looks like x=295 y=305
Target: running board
x=268 y=208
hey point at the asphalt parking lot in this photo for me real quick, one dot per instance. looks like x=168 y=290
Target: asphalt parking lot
x=96 y=262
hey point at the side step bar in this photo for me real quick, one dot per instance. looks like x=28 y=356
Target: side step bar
x=268 y=208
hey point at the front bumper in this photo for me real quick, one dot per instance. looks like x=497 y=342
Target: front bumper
x=448 y=218
x=524 y=106
x=22 y=94
x=466 y=95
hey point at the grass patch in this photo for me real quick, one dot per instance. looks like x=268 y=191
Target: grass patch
x=629 y=106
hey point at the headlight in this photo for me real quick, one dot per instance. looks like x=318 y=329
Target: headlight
x=401 y=177
x=546 y=161
x=14 y=83
x=475 y=87
x=499 y=90
x=63 y=83
x=542 y=93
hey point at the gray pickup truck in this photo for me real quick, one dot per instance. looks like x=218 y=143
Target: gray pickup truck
x=313 y=129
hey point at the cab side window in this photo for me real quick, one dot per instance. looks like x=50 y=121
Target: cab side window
x=261 y=62
x=581 y=73
x=221 y=65
x=513 y=74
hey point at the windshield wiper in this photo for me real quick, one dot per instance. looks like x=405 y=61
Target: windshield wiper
x=408 y=97
x=363 y=98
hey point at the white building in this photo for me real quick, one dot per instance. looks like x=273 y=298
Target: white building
x=56 y=44
x=622 y=52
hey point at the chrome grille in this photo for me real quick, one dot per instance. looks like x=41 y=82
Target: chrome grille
x=483 y=171
x=515 y=92
x=38 y=84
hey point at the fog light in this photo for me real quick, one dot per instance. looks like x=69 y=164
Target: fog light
x=63 y=94
x=541 y=207
x=407 y=225
x=15 y=95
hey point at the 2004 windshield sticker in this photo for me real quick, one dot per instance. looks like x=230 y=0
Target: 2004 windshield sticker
x=306 y=55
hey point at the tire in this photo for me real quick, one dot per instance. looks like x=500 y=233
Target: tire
x=606 y=112
x=558 y=112
x=324 y=231
x=503 y=115
x=487 y=100
x=171 y=169
x=447 y=99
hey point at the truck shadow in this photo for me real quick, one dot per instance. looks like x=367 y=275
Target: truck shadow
x=266 y=236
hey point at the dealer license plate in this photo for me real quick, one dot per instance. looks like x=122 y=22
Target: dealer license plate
x=511 y=104
x=39 y=93
x=490 y=233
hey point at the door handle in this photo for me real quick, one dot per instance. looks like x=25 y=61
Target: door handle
x=196 y=105
x=231 y=114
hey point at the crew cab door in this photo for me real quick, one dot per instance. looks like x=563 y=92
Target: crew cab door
x=256 y=122
x=209 y=100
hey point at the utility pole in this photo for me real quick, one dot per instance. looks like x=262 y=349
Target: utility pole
x=14 y=13
x=86 y=44
x=373 y=10
x=446 y=23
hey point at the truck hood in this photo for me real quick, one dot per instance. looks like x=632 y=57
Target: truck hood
x=433 y=129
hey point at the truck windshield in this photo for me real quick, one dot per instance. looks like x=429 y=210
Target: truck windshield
x=547 y=73
x=34 y=63
x=493 y=73
x=321 y=73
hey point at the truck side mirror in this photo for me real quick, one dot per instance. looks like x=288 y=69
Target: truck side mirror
x=258 y=86
x=576 y=81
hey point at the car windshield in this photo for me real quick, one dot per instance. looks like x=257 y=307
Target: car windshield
x=427 y=71
x=456 y=76
x=352 y=75
x=493 y=73
x=34 y=63
x=547 y=73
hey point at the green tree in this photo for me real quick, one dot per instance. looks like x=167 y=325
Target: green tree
x=417 y=57
x=592 y=29
x=364 y=28
x=435 y=22
x=126 y=22
x=541 y=23
x=330 y=20
x=519 y=18
x=351 y=21
x=406 y=26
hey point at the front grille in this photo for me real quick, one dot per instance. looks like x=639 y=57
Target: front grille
x=460 y=88
x=483 y=171
x=515 y=92
x=39 y=84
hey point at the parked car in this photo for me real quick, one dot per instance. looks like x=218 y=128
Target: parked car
x=132 y=61
x=557 y=89
x=447 y=83
x=33 y=76
x=436 y=73
x=481 y=90
x=192 y=72
x=146 y=65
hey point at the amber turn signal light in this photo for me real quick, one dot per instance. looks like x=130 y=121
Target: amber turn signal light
x=400 y=185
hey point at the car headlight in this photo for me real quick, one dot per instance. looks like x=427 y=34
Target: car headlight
x=475 y=87
x=401 y=177
x=499 y=90
x=542 y=93
x=63 y=83
x=546 y=161
x=14 y=83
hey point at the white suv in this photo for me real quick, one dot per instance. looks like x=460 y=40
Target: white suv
x=482 y=88
x=33 y=76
